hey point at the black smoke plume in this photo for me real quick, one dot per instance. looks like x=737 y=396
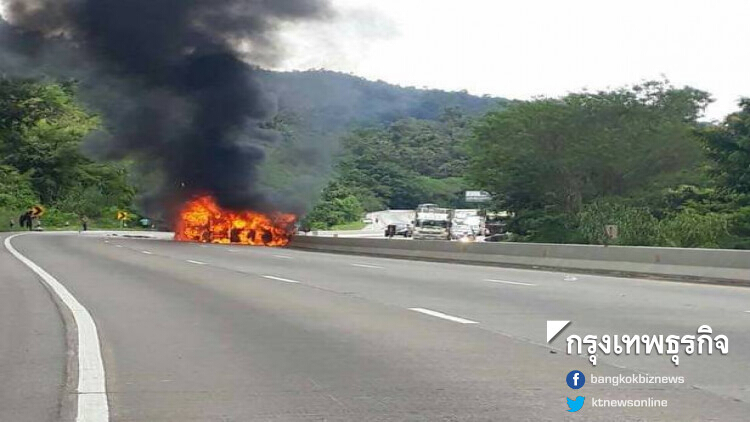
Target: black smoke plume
x=170 y=77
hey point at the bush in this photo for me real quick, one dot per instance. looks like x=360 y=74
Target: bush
x=334 y=212
x=635 y=226
x=690 y=229
x=16 y=191
x=6 y=216
x=739 y=223
x=545 y=227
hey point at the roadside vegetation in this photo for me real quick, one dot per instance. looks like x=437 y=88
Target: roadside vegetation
x=396 y=167
x=41 y=163
x=636 y=157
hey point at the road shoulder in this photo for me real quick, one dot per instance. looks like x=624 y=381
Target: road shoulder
x=33 y=347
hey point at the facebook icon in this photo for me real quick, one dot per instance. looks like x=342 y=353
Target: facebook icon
x=575 y=379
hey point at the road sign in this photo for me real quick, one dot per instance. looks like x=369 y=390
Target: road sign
x=478 y=196
x=37 y=211
x=611 y=231
x=122 y=215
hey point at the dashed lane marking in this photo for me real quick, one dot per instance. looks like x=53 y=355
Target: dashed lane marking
x=516 y=283
x=286 y=280
x=443 y=316
x=365 y=266
x=196 y=262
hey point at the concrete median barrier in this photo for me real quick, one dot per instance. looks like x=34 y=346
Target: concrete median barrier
x=700 y=265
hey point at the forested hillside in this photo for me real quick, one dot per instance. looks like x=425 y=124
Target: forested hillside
x=397 y=166
x=41 y=131
x=331 y=101
x=319 y=108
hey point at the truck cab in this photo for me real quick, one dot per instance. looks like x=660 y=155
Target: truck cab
x=432 y=222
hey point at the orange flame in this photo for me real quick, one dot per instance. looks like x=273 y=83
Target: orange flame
x=202 y=220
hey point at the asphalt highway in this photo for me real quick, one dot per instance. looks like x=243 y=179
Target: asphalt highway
x=194 y=332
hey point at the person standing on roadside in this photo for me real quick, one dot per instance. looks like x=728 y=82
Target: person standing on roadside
x=25 y=221
x=84 y=223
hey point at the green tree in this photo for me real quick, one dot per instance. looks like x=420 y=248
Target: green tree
x=546 y=160
x=42 y=127
x=562 y=153
x=338 y=205
x=16 y=192
x=728 y=145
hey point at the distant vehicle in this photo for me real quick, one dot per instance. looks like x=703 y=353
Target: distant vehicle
x=398 y=229
x=367 y=220
x=432 y=222
x=462 y=231
x=496 y=222
x=497 y=238
x=467 y=222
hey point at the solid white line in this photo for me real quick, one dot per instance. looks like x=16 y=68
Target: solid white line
x=282 y=257
x=365 y=266
x=270 y=277
x=147 y=252
x=443 y=316
x=517 y=283
x=92 y=389
x=119 y=246
x=196 y=262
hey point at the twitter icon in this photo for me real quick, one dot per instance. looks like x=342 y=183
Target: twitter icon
x=575 y=405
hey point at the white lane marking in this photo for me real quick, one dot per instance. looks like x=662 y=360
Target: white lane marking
x=517 y=283
x=232 y=250
x=747 y=312
x=365 y=266
x=270 y=277
x=282 y=257
x=196 y=262
x=443 y=316
x=92 y=388
x=570 y=278
x=118 y=246
x=147 y=252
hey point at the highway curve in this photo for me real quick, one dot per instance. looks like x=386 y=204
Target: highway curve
x=195 y=332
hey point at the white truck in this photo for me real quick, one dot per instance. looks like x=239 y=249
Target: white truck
x=432 y=222
x=467 y=224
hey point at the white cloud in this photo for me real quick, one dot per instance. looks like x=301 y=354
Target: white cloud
x=521 y=49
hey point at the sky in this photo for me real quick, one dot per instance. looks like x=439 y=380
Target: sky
x=530 y=48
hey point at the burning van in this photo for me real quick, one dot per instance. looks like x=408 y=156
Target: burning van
x=203 y=220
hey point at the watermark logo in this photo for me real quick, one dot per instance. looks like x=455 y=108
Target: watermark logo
x=671 y=345
x=575 y=405
x=575 y=379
